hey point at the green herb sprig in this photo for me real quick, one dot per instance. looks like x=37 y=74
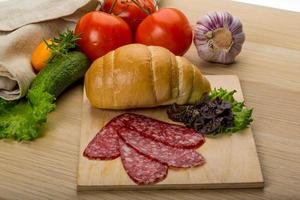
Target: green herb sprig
x=62 y=44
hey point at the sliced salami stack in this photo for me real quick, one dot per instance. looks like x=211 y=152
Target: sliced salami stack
x=147 y=146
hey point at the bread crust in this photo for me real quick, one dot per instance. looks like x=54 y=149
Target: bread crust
x=139 y=76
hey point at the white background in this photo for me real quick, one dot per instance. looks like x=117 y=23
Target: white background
x=292 y=5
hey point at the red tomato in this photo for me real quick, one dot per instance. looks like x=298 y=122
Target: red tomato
x=129 y=11
x=168 y=28
x=101 y=33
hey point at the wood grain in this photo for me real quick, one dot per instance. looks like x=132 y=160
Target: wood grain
x=47 y=168
x=224 y=168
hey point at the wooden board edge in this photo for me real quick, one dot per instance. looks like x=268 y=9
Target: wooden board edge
x=253 y=185
x=227 y=75
x=80 y=138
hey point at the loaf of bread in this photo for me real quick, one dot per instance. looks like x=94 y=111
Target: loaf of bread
x=139 y=76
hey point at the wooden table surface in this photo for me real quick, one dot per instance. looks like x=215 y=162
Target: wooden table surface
x=269 y=69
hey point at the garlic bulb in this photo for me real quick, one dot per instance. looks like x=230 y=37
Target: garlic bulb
x=219 y=37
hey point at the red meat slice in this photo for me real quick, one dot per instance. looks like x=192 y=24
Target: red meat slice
x=105 y=145
x=171 y=156
x=141 y=169
x=169 y=134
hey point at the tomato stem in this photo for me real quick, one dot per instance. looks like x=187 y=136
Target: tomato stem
x=138 y=4
x=112 y=6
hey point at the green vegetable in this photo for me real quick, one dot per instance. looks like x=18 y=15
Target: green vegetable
x=241 y=114
x=60 y=73
x=21 y=120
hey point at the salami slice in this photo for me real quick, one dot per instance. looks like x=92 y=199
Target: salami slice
x=105 y=145
x=141 y=169
x=171 y=156
x=169 y=134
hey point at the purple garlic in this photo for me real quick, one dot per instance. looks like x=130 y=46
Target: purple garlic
x=219 y=37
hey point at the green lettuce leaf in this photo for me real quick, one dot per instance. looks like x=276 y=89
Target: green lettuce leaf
x=242 y=115
x=20 y=120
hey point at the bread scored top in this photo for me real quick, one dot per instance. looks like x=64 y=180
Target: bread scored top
x=139 y=76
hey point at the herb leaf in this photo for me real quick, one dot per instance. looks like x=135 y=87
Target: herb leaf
x=62 y=44
x=242 y=116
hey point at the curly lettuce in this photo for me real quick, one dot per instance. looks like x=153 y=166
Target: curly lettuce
x=242 y=115
x=21 y=120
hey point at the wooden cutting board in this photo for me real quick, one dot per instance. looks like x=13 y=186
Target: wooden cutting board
x=232 y=160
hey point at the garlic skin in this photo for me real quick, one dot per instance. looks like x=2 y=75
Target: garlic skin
x=219 y=37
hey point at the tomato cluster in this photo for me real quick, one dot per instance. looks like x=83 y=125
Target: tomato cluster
x=122 y=22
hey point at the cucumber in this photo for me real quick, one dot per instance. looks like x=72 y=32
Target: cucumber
x=60 y=73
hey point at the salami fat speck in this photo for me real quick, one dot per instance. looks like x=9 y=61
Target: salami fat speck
x=171 y=156
x=169 y=134
x=141 y=169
